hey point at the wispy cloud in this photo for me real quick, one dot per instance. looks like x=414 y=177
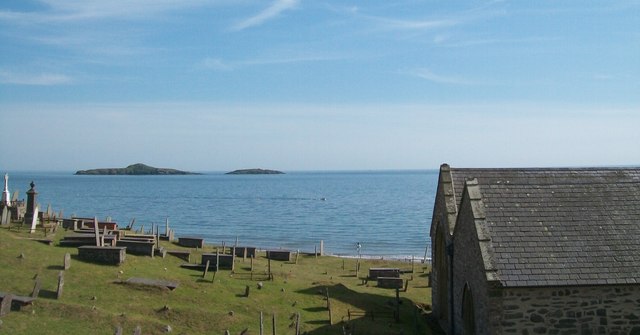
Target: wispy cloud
x=268 y=13
x=438 y=78
x=80 y=10
x=217 y=64
x=39 y=79
x=397 y=24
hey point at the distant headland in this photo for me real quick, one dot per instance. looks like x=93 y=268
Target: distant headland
x=255 y=171
x=135 y=169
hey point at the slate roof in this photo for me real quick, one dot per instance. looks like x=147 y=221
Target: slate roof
x=556 y=227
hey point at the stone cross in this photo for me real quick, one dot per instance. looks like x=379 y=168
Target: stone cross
x=5 y=193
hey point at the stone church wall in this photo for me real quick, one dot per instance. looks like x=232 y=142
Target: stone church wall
x=609 y=310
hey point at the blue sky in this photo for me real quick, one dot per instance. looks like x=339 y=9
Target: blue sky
x=318 y=85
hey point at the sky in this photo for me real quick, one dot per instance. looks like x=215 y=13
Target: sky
x=216 y=85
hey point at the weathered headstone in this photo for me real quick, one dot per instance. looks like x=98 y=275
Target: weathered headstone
x=60 y=284
x=49 y=211
x=96 y=231
x=138 y=331
x=15 y=196
x=67 y=261
x=34 y=221
x=5 y=306
x=261 y=323
x=246 y=291
x=36 y=287
x=206 y=270
x=118 y=330
x=5 y=217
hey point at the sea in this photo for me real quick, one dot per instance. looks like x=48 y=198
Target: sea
x=386 y=213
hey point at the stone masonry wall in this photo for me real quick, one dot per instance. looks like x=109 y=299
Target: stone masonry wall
x=609 y=310
x=439 y=223
x=469 y=270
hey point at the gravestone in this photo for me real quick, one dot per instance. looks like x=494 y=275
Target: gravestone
x=5 y=216
x=15 y=196
x=5 y=306
x=60 y=284
x=138 y=331
x=118 y=330
x=206 y=270
x=36 y=288
x=67 y=261
x=96 y=231
x=171 y=285
x=34 y=222
x=31 y=210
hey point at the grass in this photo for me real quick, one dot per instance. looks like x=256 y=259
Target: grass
x=94 y=302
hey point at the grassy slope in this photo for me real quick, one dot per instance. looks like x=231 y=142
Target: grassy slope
x=197 y=306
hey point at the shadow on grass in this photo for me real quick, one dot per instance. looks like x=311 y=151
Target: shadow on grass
x=368 y=313
x=48 y=294
x=55 y=267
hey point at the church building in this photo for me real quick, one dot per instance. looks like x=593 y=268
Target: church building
x=537 y=251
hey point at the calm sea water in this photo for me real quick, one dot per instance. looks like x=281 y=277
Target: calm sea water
x=388 y=213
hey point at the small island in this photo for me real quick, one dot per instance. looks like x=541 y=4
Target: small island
x=255 y=171
x=135 y=170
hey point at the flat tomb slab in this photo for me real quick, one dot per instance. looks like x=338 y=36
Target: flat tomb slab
x=145 y=247
x=153 y=282
x=279 y=255
x=18 y=299
x=182 y=254
x=240 y=251
x=390 y=282
x=191 y=242
x=103 y=255
x=374 y=273
x=226 y=261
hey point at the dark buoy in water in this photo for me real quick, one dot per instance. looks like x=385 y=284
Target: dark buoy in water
x=323 y=199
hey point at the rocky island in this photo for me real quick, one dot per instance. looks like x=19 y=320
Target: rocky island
x=255 y=171
x=135 y=169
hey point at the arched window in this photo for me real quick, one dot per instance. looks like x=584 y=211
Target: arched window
x=442 y=270
x=468 y=312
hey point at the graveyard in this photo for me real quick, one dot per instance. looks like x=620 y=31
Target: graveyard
x=189 y=287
